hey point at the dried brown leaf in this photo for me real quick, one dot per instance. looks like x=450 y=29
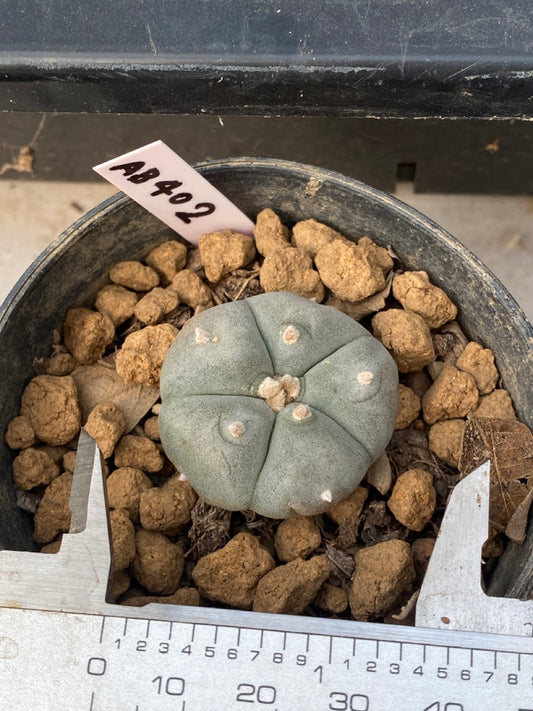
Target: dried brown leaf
x=508 y=444
x=380 y=474
x=101 y=381
x=516 y=529
x=342 y=563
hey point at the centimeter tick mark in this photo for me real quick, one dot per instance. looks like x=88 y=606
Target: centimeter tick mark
x=424 y=649
x=238 y=636
x=193 y=631
x=284 y=641
x=307 y=643
x=471 y=657
x=447 y=656
x=354 y=643
x=147 y=629
x=495 y=660
x=170 y=631
x=377 y=648
x=91 y=707
x=401 y=650
x=215 y=636
x=330 y=654
x=125 y=627
x=261 y=639
x=102 y=629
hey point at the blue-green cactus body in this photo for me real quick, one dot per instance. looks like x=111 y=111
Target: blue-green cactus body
x=276 y=404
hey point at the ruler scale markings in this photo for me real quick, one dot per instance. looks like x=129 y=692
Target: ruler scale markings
x=354 y=642
x=238 y=636
x=471 y=697
x=307 y=643
x=215 y=636
x=261 y=639
x=125 y=627
x=170 y=631
x=147 y=629
x=193 y=631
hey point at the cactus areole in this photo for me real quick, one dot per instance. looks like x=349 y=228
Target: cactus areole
x=276 y=404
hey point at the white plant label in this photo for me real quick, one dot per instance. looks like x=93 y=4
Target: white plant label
x=172 y=190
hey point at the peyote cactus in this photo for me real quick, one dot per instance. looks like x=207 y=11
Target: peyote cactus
x=276 y=404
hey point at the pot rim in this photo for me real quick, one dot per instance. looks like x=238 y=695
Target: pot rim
x=387 y=201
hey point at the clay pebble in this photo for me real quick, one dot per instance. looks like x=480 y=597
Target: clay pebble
x=384 y=574
x=290 y=588
x=231 y=574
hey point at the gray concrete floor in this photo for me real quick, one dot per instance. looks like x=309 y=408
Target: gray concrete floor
x=498 y=229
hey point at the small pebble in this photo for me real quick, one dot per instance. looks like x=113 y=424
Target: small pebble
x=53 y=513
x=106 y=425
x=296 y=537
x=384 y=574
x=291 y=270
x=408 y=407
x=224 y=251
x=156 y=304
x=497 y=404
x=416 y=293
x=134 y=275
x=86 y=334
x=445 y=440
x=290 y=588
x=167 y=259
x=479 y=362
x=310 y=235
x=269 y=233
x=124 y=488
x=141 y=357
x=191 y=290
x=406 y=336
x=413 y=499
x=346 y=270
x=349 y=509
x=453 y=394
x=331 y=599
x=50 y=403
x=20 y=434
x=122 y=539
x=138 y=452
x=167 y=508
x=158 y=563
x=116 y=302
x=231 y=574
x=33 y=468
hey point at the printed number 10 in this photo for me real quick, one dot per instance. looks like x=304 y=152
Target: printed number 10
x=171 y=686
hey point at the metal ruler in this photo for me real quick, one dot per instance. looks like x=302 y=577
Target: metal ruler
x=63 y=648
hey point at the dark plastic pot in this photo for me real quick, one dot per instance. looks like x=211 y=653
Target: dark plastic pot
x=72 y=270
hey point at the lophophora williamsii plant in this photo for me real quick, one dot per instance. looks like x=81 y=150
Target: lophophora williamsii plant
x=276 y=404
